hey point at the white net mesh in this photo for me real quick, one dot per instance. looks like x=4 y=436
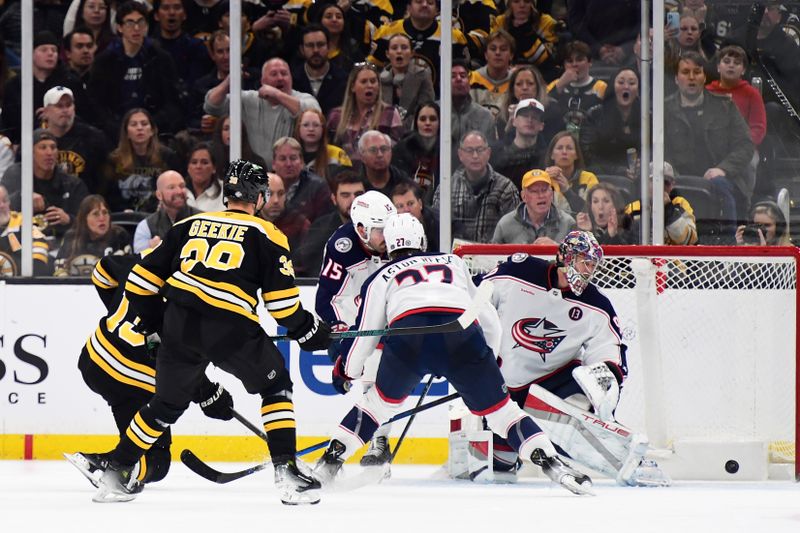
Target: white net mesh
x=711 y=342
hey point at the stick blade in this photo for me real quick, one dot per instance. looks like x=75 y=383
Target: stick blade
x=196 y=465
x=482 y=296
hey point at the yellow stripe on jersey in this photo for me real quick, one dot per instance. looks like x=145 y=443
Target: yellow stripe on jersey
x=143 y=282
x=212 y=297
x=225 y=287
x=102 y=278
x=104 y=355
x=283 y=313
x=282 y=303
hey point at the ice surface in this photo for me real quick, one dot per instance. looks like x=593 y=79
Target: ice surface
x=49 y=496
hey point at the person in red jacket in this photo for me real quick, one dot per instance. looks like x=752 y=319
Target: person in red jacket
x=732 y=64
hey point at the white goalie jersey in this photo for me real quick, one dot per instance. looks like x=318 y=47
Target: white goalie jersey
x=427 y=282
x=545 y=329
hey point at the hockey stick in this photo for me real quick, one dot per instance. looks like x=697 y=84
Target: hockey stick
x=249 y=425
x=411 y=418
x=202 y=469
x=469 y=316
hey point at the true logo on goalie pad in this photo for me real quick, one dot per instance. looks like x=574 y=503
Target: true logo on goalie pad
x=537 y=335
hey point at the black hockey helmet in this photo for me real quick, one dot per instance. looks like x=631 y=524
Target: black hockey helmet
x=244 y=181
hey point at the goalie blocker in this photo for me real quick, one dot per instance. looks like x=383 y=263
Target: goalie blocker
x=601 y=445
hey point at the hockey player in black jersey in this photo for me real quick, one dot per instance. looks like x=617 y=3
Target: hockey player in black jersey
x=212 y=269
x=118 y=363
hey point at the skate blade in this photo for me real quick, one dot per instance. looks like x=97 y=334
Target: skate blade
x=83 y=466
x=309 y=497
x=581 y=489
x=368 y=475
x=105 y=495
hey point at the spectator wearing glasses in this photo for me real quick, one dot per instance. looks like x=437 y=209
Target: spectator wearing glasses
x=376 y=161
x=480 y=195
x=134 y=73
x=316 y=75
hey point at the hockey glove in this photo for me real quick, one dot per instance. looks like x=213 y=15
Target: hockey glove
x=340 y=380
x=335 y=349
x=218 y=404
x=314 y=334
x=600 y=386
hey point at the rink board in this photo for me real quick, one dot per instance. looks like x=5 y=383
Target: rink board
x=46 y=408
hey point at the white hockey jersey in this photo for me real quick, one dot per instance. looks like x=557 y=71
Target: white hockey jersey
x=427 y=282
x=346 y=265
x=545 y=329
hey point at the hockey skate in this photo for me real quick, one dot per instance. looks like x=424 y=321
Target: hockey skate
x=118 y=484
x=91 y=465
x=330 y=464
x=378 y=452
x=649 y=474
x=562 y=473
x=295 y=483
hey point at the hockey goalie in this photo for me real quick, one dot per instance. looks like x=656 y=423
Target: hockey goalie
x=563 y=359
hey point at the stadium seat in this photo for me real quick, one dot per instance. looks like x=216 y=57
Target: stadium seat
x=629 y=189
x=128 y=220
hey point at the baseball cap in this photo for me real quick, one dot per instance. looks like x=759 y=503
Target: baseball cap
x=534 y=176
x=53 y=96
x=42 y=134
x=526 y=103
x=669 y=172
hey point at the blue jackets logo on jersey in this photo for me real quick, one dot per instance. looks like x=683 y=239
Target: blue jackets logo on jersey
x=537 y=335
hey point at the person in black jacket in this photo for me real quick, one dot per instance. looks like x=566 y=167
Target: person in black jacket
x=317 y=75
x=134 y=72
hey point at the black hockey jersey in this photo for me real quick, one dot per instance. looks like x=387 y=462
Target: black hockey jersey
x=219 y=264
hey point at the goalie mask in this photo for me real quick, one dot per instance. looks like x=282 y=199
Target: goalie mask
x=579 y=256
x=404 y=232
x=371 y=210
x=244 y=181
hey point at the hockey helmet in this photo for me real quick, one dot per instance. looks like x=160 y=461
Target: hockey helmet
x=404 y=232
x=244 y=181
x=579 y=247
x=371 y=210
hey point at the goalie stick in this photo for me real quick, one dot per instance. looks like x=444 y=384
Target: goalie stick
x=470 y=314
x=202 y=469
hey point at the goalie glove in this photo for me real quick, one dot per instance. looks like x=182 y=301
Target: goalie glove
x=600 y=386
x=218 y=402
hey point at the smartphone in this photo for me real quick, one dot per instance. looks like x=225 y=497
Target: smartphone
x=673 y=20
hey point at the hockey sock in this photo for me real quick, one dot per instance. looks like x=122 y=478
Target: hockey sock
x=145 y=429
x=277 y=415
x=525 y=436
x=359 y=423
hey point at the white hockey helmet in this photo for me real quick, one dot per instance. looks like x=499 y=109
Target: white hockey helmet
x=371 y=210
x=404 y=232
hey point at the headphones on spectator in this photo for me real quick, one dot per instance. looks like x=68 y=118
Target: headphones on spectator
x=775 y=212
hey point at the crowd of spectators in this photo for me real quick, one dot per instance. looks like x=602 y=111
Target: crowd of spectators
x=131 y=103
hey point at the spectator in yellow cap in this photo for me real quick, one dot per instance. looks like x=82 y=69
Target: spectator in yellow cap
x=536 y=220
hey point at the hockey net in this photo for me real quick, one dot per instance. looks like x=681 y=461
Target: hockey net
x=712 y=344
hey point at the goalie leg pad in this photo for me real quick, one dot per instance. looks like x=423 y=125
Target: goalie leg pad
x=603 y=446
x=514 y=425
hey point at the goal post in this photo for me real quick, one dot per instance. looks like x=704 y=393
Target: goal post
x=712 y=351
